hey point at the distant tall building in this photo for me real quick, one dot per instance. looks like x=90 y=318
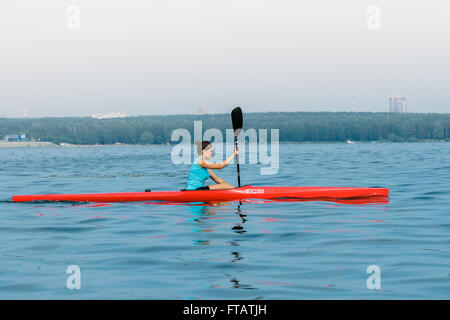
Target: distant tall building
x=201 y=110
x=397 y=104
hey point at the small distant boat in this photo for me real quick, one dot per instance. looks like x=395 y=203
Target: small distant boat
x=350 y=141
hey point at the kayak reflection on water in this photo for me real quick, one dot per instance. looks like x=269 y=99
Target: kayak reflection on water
x=201 y=169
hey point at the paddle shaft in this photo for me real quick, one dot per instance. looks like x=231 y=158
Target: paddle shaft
x=237 y=119
x=237 y=161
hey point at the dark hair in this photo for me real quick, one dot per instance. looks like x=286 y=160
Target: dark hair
x=202 y=146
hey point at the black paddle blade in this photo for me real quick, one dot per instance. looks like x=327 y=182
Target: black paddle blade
x=238 y=120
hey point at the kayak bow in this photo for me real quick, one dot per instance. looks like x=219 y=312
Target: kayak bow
x=245 y=192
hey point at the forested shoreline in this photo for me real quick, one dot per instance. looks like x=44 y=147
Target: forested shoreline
x=293 y=127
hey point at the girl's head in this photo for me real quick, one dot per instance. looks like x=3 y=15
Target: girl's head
x=205 y=149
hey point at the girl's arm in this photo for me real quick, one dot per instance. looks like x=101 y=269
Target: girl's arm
x=210 y=165
x=213 y=176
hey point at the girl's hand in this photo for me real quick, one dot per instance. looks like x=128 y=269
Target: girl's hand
x=236 y=151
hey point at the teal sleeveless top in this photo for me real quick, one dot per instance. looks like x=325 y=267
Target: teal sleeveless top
x=197 y=176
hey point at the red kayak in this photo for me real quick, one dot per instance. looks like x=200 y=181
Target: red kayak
x=245 y=192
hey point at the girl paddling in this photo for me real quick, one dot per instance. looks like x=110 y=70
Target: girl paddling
x=201 y=169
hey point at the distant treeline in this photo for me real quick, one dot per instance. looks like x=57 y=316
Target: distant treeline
x=293 y=127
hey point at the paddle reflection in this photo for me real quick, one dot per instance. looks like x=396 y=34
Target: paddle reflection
x=209 y=214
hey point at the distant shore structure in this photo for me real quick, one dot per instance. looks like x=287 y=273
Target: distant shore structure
x=109 y=115
x=26 y=144
x=15 y=138
x=397 y=104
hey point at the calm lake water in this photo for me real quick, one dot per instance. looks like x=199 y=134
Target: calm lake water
x=280 y=250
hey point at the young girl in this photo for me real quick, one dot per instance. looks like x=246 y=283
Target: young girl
x=201 y=169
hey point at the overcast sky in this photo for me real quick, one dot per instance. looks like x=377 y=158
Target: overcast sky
x=81 y=57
